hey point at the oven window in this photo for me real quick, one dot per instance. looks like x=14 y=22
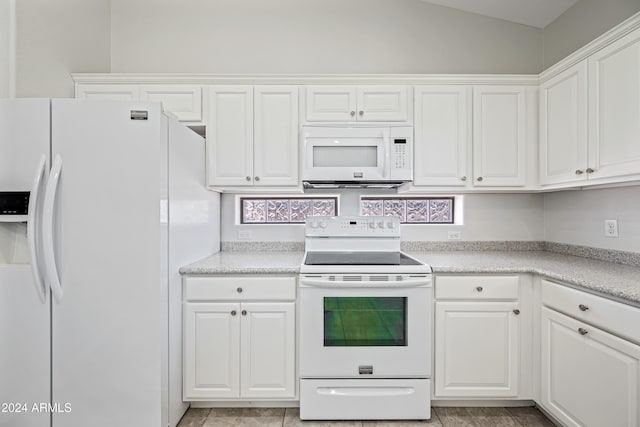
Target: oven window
x=365 y=321
x=345 y=156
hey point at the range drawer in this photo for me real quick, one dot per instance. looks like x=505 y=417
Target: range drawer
x=618 y=318
x=239 y=288
x=477 y=287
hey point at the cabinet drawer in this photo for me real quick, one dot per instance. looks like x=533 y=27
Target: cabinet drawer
x=239 y=288
x=477 y=287
x=618 y=318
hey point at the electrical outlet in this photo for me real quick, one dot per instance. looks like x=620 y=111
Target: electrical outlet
x=455 y=235
x=244 y=234
x=611 y=228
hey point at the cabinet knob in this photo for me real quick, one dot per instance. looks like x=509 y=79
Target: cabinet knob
x=233 y=312
x=257 y=178
x=582 y=331
x=361 y=113
x=579 y=171
x=353 y=113
x=583 y=307
x=239 y=290
x=463 y=178
x=479 y=179
x=516 y=311
x=479 y=289
x=244 y=312
x=589 y=170
x=248 y=178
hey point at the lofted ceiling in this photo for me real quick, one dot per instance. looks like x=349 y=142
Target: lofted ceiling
x=536 y=13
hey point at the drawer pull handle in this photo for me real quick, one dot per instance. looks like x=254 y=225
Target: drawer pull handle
x=479 y=289
x=516 y=311
x=582 y=331
x=233 y=312
x=244 y=312
x=239 y=290
x=583 y=307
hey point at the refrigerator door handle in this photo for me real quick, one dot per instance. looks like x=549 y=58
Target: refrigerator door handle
x=32 y=214
x=48 y=227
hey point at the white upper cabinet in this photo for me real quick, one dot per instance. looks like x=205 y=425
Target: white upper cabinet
x=108 y=91
x=184 y=101
x=252 y=136
x=345 y=103
x=275 y=160
x=230 y=136
x=614 y=108
x=442 y=135
x=499 y=136
x=563 y=127
x=474 y=136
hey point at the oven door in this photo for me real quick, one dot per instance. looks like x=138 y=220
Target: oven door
x=354 y=331
x=345 y=154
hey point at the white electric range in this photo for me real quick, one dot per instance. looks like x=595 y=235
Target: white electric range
x=365 y=322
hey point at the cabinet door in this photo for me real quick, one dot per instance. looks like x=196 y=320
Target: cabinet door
x=563 y=127
x=330 y=103
x=116 y=92
x=589 y=377
x=614 y=108
x=499 y=137
x=442 y=135
x=275 y=146
x=476 y=349
x=184 y=101
x=382 y=103
x=211 y=350
x=230 y=136
x=268 y=350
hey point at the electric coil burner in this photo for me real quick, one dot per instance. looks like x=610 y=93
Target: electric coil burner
x=365 y=323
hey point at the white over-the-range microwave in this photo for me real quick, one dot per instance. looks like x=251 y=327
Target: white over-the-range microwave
x=356 y=157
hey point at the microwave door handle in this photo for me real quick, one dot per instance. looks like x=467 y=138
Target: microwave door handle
x=385 y=144
x=32 y=217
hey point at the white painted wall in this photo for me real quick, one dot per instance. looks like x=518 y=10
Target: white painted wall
x=56 y=38
x=487 y=217
x=581 y=23
x=7 y=47
x=316 y=36
x=577 y=217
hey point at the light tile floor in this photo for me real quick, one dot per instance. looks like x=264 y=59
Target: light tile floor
x=440 y=417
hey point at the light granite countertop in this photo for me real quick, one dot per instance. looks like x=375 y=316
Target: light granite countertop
x=617 y=281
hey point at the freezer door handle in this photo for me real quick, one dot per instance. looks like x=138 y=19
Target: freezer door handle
x=48 y=227
x=32 y=217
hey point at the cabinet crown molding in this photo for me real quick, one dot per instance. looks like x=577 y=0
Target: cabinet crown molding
x=617 y=32
x=302 y=79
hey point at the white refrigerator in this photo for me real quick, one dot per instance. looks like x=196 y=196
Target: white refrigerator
x=90 y=294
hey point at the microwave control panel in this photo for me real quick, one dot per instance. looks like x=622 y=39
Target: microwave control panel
x=400 y=150
x=400 y=161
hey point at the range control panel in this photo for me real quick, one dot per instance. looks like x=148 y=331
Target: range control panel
x=352 y=226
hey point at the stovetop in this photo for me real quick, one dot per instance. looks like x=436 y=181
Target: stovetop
x=342 y=258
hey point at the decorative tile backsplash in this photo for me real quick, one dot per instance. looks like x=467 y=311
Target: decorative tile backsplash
x=410 y=210
x=285 y=210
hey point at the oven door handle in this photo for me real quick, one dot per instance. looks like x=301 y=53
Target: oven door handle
x=411 y=283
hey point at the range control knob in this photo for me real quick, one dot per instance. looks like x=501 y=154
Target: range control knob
x=313 y=224
x=380 y=224
x=323 y=224
x=391 y=224
x=372 y=224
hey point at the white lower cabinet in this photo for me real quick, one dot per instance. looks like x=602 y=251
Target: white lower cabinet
x=243 y=348
x=590 y=375
x=478 y=330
